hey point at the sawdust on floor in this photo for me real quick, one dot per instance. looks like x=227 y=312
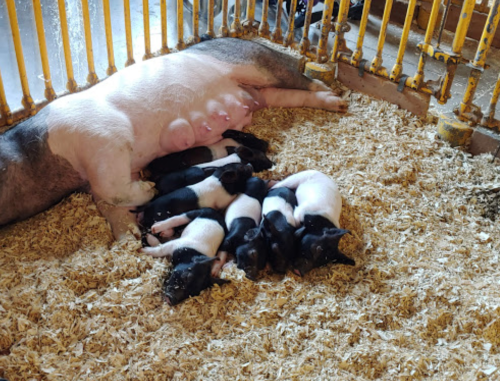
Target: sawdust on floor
x=422 y=301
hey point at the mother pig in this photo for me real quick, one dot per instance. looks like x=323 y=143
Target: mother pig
x=99 y=139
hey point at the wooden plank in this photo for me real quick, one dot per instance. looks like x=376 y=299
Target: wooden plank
x=382 y=88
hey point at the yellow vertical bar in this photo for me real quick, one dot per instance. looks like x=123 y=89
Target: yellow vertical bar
x=277 y=35
x=91 y=77
x=128 y=33
x=49 y=90
x=358 y=53
x=325 y=29
x=196 y=20
x=147 y=32
x=264 y=30
x=180 y=25
x=109 y=38
x=416 y=81
x=398 y=67
x=27 y=101
x=4 y=107
x=304 y=42
x=485 y=41
x=224 y=29
x=210 y=17
x=291 y=24
x=377 y=60
x=248 y=23
x=164 y=41
x=339 y=42
x=236 y=28
x=490 y=114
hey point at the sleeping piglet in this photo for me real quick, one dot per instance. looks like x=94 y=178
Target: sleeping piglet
x=193 y=254
x=175 y=180
x=216 y=191
x=318 y=211
x=279 y=227
x=243 y=215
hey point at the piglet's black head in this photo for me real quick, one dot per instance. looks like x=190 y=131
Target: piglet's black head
x=190 y=279
x=258 y=159
x=319 y=249
x=246 y=139
x=252 y=255
x=280 y=238
x=233 y=177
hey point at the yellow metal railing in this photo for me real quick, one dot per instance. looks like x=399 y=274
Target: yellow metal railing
x=320 y=54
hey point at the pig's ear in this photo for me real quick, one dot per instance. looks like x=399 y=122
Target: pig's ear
x=245 y=153
x=206 y=259
x=209 y=171
x=300 y=232
x=336 y=234
x=343 y=259
x=219 y=281
x=230 y=176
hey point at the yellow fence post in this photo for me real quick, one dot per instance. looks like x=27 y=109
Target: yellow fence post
x=397 y=70
x=147 y=32
x=27 y=101
x=341 y=27
x=92 y=76
x=109 y=38
x=304 y=42
x=377 y=60
x=164 y=40
x=249 y=21
x=210 y=17
x=128 y=33
x=4 y=107
x=180 y=25
x=224 y=29
x=196 y=21
x=236 y=28
x=291 y=24
x=478 y=63
x=49 y=90
x=358 y=53
x=325 y=29
x=264 y=30
x=277 y=35
x=489 y=116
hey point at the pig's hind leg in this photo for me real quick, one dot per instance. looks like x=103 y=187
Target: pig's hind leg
x=326 y=100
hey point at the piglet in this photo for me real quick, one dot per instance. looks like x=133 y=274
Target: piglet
x=216 y=191
x=279 y=227
x=178 y=179
x=246 y=139
x=318 y=211
x=243 y=215
x=253 y=254
x=193 y=254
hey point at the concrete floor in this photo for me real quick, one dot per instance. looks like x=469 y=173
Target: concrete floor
x=9 y=71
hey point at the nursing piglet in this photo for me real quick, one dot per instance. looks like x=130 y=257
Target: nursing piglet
x=175 y=180
x=279 y=227
x=318 y=211
x=243 y=215
x=216 y=191
x=193 y=254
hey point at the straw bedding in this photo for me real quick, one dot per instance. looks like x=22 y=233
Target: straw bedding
x=422 y=301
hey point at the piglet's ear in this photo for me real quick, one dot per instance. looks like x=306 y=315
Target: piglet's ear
x=299 y=233
x=343 y=259
x=336 y=233
x=229 y=176
x=206 y=259
x=219 y=281
x=209 y=170
x=245 y=153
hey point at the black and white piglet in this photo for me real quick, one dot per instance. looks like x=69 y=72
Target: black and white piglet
x=195 y=255
x=216 y=191
x=178 y=179
x=279 y=227
x=204 y=154
x=243 y=215
x=318 y=211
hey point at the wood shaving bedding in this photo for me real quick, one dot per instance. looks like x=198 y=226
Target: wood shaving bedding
x=422 y=301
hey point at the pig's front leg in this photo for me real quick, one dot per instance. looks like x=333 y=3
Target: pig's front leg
x=121 y=220
x=163 y=250
x=217 y=265
x=326 y=100
x=111 y=180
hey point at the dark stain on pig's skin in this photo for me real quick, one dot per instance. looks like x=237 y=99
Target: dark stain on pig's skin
x=32 y=178
x=279 y=65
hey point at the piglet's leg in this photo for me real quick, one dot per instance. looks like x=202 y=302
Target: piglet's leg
x=303 y=98
x=217 y=265
x=164 y=250
x=166 y=227
x=111 y=180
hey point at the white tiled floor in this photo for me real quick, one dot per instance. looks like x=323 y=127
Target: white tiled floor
x=8 y=65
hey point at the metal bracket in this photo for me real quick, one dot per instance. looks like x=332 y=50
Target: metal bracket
x=402 y=82
x=361 y=68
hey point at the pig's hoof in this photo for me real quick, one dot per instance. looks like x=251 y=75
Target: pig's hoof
x=332 y=102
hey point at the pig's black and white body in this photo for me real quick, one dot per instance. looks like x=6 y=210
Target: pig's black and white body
x=279 y=226
x=104 y=136
x=216 y=191
x=318 y=214
x=244 y=155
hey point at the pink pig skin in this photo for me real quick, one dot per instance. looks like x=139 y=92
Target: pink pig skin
x=111 y=131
